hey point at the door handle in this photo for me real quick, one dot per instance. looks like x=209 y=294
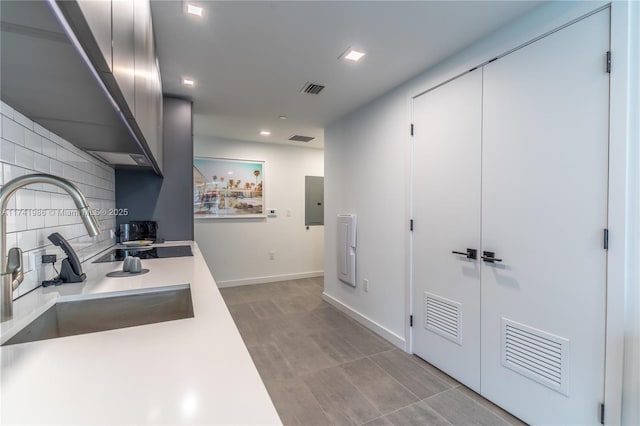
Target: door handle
x=489 y=257
x=471 y=253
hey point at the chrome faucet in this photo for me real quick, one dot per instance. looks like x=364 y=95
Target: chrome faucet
x=11 y=264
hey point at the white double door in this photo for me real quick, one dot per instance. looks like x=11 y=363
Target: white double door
x=511 y=160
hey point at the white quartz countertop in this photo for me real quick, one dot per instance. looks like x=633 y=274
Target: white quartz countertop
x=189 y=371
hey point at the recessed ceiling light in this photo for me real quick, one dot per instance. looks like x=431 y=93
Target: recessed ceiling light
x=193 y=9
x=283 y=117
x=352 y=55
x=188 y=82
x=265 y=132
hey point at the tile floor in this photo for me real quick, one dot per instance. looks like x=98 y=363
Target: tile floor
x=322 y=368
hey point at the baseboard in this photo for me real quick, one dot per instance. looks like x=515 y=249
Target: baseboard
x=268 y=279
x=367 y=322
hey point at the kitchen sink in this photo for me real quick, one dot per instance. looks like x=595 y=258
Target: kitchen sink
x=107 y=312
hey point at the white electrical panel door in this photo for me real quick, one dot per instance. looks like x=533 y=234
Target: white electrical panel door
x=346 y=249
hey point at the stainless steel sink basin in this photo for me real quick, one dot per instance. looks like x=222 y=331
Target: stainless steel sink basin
x=105 y=312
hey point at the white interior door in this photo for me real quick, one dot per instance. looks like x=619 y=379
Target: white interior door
x=544 y=208
x=446 y=210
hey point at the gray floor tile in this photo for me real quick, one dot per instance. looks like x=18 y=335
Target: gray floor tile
x=270 y=363
x=317 y=363
x=459 y=409
x=243 y=316
x=367 y=342
x=380 y=421
x=418 y=414
x=377 y=386
x=265 y=309
x=299 y=304
x=342 y=402
x=336 y=347
x=332 y=318
x=303 y=354
x=411 y=375
x=504 y=415
x=441 y=375
x=232 y=295
x=295 y=404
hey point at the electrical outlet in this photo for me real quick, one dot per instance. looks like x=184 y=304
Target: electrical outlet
x=365 y=285
x=288 y=212
x=35 y=259
x=272 y=255
x=49 y=258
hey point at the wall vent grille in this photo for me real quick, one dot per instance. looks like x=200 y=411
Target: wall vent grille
x=312 y=88
x=535 y=354
x=443 y=317
x=300 y=138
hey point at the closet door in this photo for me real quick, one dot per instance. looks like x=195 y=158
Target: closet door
x=544 y=209
x=446 y=211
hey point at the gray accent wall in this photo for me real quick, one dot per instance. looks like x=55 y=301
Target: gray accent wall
x=167 y=200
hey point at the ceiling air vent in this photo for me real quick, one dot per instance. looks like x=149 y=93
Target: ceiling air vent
x=312 y=88
x=300 y=138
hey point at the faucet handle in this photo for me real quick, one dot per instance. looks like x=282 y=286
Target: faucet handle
x=14 y=266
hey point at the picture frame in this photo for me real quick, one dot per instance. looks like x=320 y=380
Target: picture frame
x=226 y=188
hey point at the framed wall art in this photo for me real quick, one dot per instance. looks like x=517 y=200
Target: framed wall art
x=226 y=188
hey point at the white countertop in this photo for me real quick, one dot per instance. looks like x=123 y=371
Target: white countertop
x=189 y=371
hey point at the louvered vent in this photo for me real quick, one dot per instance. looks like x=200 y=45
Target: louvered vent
x=300 y=138
x=443 y=317
x=535 y=354
x=312 y=88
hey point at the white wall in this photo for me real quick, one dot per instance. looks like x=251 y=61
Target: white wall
x=367 y=173
x=30 y=148
x=237 y=250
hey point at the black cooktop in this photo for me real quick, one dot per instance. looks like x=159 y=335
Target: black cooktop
x=117 y=255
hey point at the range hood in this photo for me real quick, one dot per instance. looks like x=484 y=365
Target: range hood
x=46 y=78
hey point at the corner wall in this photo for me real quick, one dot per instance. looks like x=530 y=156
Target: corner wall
x=237 y=250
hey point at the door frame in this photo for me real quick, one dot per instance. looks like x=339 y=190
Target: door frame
x=623 y=188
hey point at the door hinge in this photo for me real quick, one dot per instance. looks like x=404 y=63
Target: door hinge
x=601 y=414
x=609 y=62
x=410 y=320
x=605 y=239
x=411 y=129
x=411 y=225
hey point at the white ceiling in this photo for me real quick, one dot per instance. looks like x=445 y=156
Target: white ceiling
x=250 y=59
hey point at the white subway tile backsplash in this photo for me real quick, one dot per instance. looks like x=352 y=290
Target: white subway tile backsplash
x=21 y=119
x=12 y=172
x=41 y=131
x=35 y=213
x=24 y=157
x=12 y=131
x=42 y=163
x=7 y=151
x=32 y=140
x=49 y=148
x=6 y=110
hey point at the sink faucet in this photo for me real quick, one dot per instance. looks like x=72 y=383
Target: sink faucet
x=11 y=266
